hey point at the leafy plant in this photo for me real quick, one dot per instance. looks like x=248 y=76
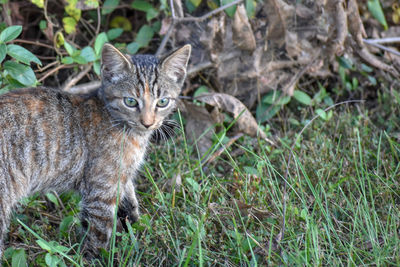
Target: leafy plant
x=16 y=72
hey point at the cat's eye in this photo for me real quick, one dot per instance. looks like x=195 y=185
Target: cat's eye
x=163 y=102
x=130 y=102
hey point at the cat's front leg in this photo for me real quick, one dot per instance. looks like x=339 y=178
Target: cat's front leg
x=129 y=207
x=97 y=216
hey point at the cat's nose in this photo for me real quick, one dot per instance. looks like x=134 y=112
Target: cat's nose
x=147 y=124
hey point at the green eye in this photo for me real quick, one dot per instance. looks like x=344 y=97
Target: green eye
x=130 y=102
x=163 y=102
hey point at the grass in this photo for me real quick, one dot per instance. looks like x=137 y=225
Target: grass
x=342 y=201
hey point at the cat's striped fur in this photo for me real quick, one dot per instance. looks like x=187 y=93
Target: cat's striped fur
x=50 y=140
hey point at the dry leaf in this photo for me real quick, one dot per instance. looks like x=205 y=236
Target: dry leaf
x=278 y=13
x=199 y=127
x=165 y=24
x=243 y=35
x=245 y=120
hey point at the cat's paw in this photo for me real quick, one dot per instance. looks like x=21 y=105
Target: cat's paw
x=131 y=214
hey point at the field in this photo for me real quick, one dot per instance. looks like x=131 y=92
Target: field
x=330 y=198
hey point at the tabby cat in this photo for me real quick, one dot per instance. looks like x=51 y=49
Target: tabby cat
x=51 y=140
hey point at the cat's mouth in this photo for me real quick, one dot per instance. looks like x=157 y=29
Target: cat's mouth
x=142 y=128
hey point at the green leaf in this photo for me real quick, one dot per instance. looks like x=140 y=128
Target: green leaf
x=345 y=62
x=96 y=67
x=44 y=245
x=230 y=11
x=88 y=54
x=22 y=73
x=274 y=98
x=109 y=6
x=151 y=14
x=19 y=258
x=156 y=26
x=366 y=68
x=72 y=10
x=100 y=41
x=10 y=33
x=22 y=54
x=92 y=3
x=39 y=3
x=121 y=22
x=69 y=24
x=329 y=115
x=12 y=84
x=52 y=260
x=321 y=113
x=66 y=224
x=302 y=97
x=114 y=33
x=190 y=6
x=195 y=3
x=374 y=6
x=372 y=80
x=70 y=49
x=144 y=36
x=79 y=59
x=201 y=90
x=67 y=60
x=250 y=8
x=141 y=5
x=265 y=112
x=42 y=25
x=3 y=52
x=53 y=199
x=132 y=48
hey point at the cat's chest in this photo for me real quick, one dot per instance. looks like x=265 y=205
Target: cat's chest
x=132 y=150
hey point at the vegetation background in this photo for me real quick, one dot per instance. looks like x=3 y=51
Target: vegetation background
x=288 y=150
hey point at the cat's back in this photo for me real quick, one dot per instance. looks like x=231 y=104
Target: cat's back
x=41 y=142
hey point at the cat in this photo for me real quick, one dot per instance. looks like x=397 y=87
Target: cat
x=52 y=140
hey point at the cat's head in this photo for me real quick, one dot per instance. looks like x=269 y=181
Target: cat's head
x=140 y=91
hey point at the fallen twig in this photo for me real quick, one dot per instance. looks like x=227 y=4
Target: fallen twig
x=85 y=88
x=378 y=45
x=72 y=81
x=176 y=20
x=47 y=66
x=33 y=43
x=341 y=28
x=383 y=40
x=52 y=71
x=222 y=149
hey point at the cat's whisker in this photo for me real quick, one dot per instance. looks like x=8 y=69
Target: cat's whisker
x=172 y=123
x=168 y=131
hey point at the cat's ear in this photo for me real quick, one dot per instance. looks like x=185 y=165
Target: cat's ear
x=174 y=65
x=114 y=64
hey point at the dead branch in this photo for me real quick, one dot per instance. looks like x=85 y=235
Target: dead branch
x=222 y=149
x=52 y=71
x=187 y=19
x=374 y=61
x=378 y=45
x=85 y=88
x=47 y=66
x=33 y=43
x=383 y=40
x=74 y=80
x=341 y=28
